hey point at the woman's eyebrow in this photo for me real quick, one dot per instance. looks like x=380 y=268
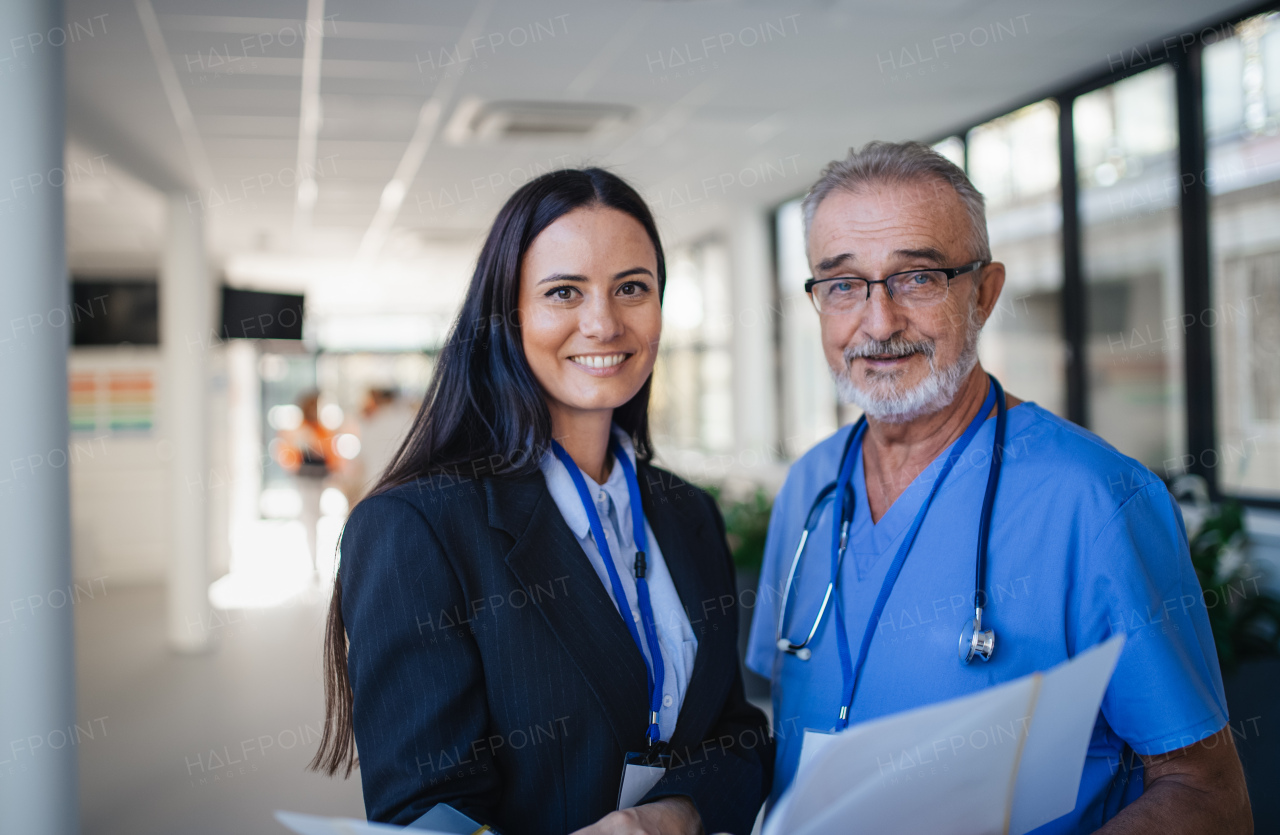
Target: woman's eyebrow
x=562 y=277
x=582 y=278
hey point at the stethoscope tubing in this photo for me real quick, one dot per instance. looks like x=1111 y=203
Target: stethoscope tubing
x=810 y=522
x=989 y=497
x=827 y=493
x=815 y=511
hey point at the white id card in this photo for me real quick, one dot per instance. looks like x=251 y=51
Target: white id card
x=639 y=775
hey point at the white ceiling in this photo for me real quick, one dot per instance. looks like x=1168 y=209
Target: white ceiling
x=745 y=127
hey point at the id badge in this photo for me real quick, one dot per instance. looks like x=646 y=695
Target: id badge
x=812 y=743
x=640 y=773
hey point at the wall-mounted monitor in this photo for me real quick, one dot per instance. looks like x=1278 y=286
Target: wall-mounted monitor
x=250 y=314
x=114 y=312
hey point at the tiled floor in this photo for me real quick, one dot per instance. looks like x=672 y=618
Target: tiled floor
x=200 y=744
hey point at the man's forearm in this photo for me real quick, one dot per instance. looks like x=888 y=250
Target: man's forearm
x=1196 y=790
x=1169 y=809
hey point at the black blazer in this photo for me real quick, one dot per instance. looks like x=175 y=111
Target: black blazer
x=491 y=670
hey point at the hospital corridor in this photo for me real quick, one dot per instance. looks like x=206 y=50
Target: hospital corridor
x=337 y=434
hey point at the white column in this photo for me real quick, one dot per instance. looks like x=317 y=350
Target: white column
x=186 y=334
x=755 y=427
x=38 y=781
x=244 y=442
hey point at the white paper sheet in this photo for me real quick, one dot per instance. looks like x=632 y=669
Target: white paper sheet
x=937 y=769
x=314 y=825
x=956 y=768
x=1053 y=758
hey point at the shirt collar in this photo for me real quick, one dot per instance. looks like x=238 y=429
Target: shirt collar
x=565 y=494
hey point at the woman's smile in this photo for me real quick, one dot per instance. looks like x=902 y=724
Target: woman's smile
x=600 y=365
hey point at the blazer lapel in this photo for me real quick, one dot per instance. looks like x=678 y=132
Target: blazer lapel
x=585 y=621
x=693 y=551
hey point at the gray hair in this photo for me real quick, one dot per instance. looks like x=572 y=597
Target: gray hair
x=894 y=163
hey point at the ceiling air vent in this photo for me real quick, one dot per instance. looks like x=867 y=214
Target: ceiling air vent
x=476 y=120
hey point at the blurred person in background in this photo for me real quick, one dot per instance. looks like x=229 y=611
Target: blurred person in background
x=384 y=424
x=308 y=452
x=534 y=629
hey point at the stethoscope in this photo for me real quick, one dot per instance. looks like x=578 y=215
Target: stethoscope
x=974 y=640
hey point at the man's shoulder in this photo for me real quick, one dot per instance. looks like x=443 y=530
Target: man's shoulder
x=1080 y=461
x=825 y=454
x=818 y=465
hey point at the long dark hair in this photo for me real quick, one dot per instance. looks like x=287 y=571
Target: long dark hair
x=484 y=411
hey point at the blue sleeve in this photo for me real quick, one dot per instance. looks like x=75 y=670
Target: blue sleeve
x=761 y=642
x=1136 y=577
x=420 y=701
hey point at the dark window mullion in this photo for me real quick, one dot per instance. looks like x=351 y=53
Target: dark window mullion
x=1073 y=300
x=1196 y=293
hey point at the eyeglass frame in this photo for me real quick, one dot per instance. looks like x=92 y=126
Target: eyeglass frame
x=949 y=272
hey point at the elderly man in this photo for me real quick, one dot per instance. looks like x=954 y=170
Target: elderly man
x=1083 y=542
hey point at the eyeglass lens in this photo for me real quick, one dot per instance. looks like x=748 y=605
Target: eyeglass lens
x=920 y=288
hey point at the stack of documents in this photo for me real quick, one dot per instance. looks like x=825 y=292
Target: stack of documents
x=1004 y=760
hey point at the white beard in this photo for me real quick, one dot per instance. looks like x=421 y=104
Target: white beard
x=883 y=402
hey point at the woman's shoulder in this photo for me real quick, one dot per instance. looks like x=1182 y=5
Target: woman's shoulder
x=434 y=498
x=414 y=527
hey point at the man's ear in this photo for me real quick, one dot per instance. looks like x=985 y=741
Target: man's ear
x=990 y=283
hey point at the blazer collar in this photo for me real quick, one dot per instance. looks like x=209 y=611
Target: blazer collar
x=693 y=551
x=585 y=621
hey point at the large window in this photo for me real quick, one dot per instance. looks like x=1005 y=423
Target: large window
x=1013 y=161
x=692 y=395
x=809 y=410
x=1126 y=139
x=1242 y=114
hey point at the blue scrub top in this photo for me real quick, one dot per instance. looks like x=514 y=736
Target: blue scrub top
x=1085 y=543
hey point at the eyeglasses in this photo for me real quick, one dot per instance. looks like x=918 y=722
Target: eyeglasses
x=913 y=288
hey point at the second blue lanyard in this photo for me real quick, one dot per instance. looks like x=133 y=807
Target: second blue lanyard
x=654 y=668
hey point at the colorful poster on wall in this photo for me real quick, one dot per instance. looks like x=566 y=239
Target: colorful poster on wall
x=113 y=401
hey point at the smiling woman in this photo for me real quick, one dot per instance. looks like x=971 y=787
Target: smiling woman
x=526 y=476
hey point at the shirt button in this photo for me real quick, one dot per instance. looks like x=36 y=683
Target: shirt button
x=667 y=701
x=600 y=496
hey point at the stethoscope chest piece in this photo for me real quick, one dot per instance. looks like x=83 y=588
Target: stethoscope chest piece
x=974 y=641
x=801 y=652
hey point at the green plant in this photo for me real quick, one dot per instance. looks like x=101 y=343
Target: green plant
x=1244 y=618
x=746 y=524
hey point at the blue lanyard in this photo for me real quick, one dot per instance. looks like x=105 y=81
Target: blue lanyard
x=850 y=672
x=654 y=670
